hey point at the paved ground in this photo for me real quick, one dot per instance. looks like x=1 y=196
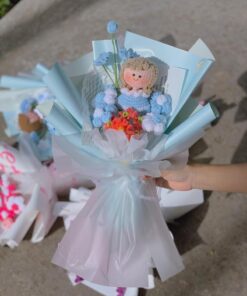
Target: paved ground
x=213 y=238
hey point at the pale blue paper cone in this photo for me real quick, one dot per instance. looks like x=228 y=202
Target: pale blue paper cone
x=64 y=91
x=40 y=70
x=59 y=118
x=20 y=82
x=188 y=131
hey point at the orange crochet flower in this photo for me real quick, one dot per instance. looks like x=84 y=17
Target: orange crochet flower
x=128 y=121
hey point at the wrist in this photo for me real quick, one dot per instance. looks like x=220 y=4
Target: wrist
x=194 y=171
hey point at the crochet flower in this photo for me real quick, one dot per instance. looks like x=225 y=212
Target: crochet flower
x=28 y=105
x=126 y=54
x=156 y=120
x=127 y=121
x=161 y=103
x=104 y=59
x=112 y=27
x=105 y=106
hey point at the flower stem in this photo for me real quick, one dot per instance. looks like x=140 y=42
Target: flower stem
x=115 y=69
x=108 y=74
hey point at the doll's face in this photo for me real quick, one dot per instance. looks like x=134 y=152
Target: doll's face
x=137 y=79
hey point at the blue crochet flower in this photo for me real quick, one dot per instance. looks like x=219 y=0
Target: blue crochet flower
x=167 y=107
x=112 y=27
x=106 y=117
x=111 y=108
x=159 y=118
x=105 y=106
x=28 y=104
x=155 y=107
x=99 y=100
x=97 y=122
x=104 y=59
x=161 y=104
x=125 y=54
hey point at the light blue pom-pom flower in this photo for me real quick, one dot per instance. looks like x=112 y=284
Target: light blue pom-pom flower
x=104 y=59
x=159 y=118
x=155 y=107
x=97 y=122
x=167 y=108
x=99 y=100
x=125 y=54
x=28 y=104
x=106 y=117
x=111 y=108
x=164 y=108
x=112 y=27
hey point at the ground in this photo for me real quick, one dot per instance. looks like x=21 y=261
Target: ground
x=212 y=238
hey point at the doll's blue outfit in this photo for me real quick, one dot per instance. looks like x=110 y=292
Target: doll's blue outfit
x=134 y=99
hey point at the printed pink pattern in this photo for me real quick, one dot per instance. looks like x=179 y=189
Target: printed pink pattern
x=121 y=291
x=7 y=162
x=11 y=202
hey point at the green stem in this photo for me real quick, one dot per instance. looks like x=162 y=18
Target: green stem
x=115 y=69
x=116 y=45
x=107 y=72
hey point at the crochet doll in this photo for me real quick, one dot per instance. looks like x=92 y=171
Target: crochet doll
x=138 y=76
x=31 y=123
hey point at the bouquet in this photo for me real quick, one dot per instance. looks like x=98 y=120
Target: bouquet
x=120 y=113
x=21 y=117
x=26 y=195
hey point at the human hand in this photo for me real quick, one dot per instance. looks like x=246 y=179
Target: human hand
x=179 y=179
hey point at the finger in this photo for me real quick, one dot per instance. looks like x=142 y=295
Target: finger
x=162 y=183
x=179 y=186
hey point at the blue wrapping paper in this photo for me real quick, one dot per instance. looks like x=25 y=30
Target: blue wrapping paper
x=20 y=82
x=64 y=90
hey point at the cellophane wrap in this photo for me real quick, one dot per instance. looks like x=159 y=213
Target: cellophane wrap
x=120 y=231
x=34 y=182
